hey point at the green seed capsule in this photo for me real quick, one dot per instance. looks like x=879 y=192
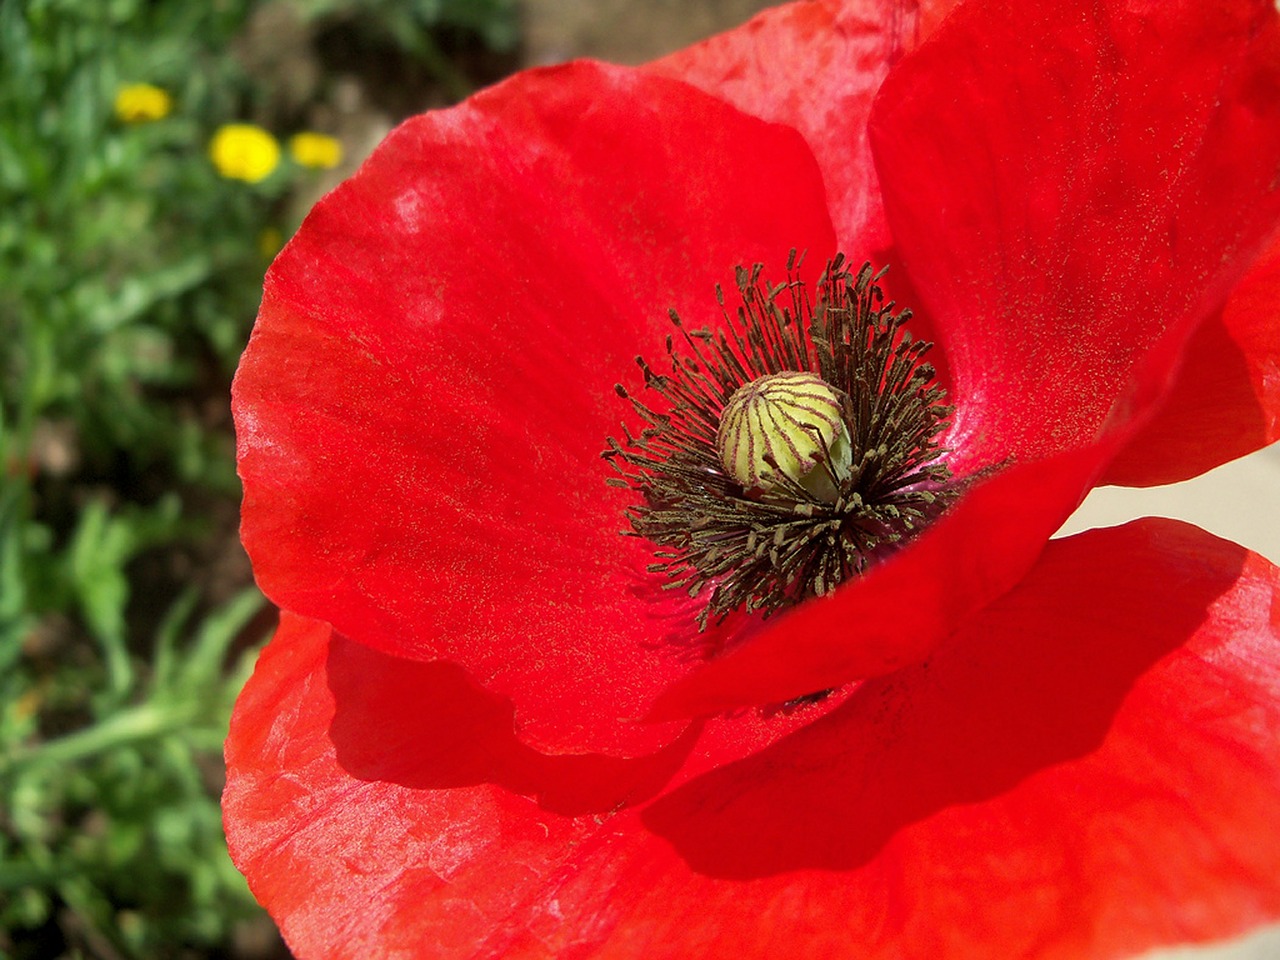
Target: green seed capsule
x=783 y=431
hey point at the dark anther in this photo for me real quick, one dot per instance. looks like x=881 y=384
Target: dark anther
x=767 y=550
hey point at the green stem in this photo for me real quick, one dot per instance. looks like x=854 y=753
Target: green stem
x=21 y=876
x=145 y=722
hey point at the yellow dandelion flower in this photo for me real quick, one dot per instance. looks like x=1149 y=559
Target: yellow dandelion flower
x=242 y=151
x=315 y=150
x=142 y=103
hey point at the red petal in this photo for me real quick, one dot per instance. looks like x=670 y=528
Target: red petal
x=1225 y=402
x=816 y=67
x=1038 y=168
x=1088 y=770
x=898 y=612
x=424 y=400
x=1067 y=184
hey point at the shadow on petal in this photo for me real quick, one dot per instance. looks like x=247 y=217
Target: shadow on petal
x=1034 y=684
x=1088 y=770
x=1213 y=413
x=429 y=726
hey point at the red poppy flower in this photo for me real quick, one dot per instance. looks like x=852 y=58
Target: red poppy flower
x=485 y=728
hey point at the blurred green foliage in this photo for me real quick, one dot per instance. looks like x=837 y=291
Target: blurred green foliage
x=415 y=29
x=129 y=275
x=411 y=22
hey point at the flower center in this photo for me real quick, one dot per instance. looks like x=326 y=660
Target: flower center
x=792 y=448
x=785 y=430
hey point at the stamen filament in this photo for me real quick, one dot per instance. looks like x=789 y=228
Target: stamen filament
x=793 y=379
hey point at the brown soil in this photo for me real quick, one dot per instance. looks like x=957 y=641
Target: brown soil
x=625 y=31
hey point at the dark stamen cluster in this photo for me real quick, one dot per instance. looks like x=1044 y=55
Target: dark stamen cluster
x=765 y=553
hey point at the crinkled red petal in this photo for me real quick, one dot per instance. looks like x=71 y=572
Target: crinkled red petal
x=1072 y=189
x=1087 y=770
x=423 y=404
x=1225 y=402
x=816 y=66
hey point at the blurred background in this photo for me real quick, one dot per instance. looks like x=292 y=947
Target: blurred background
x=154 y=155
